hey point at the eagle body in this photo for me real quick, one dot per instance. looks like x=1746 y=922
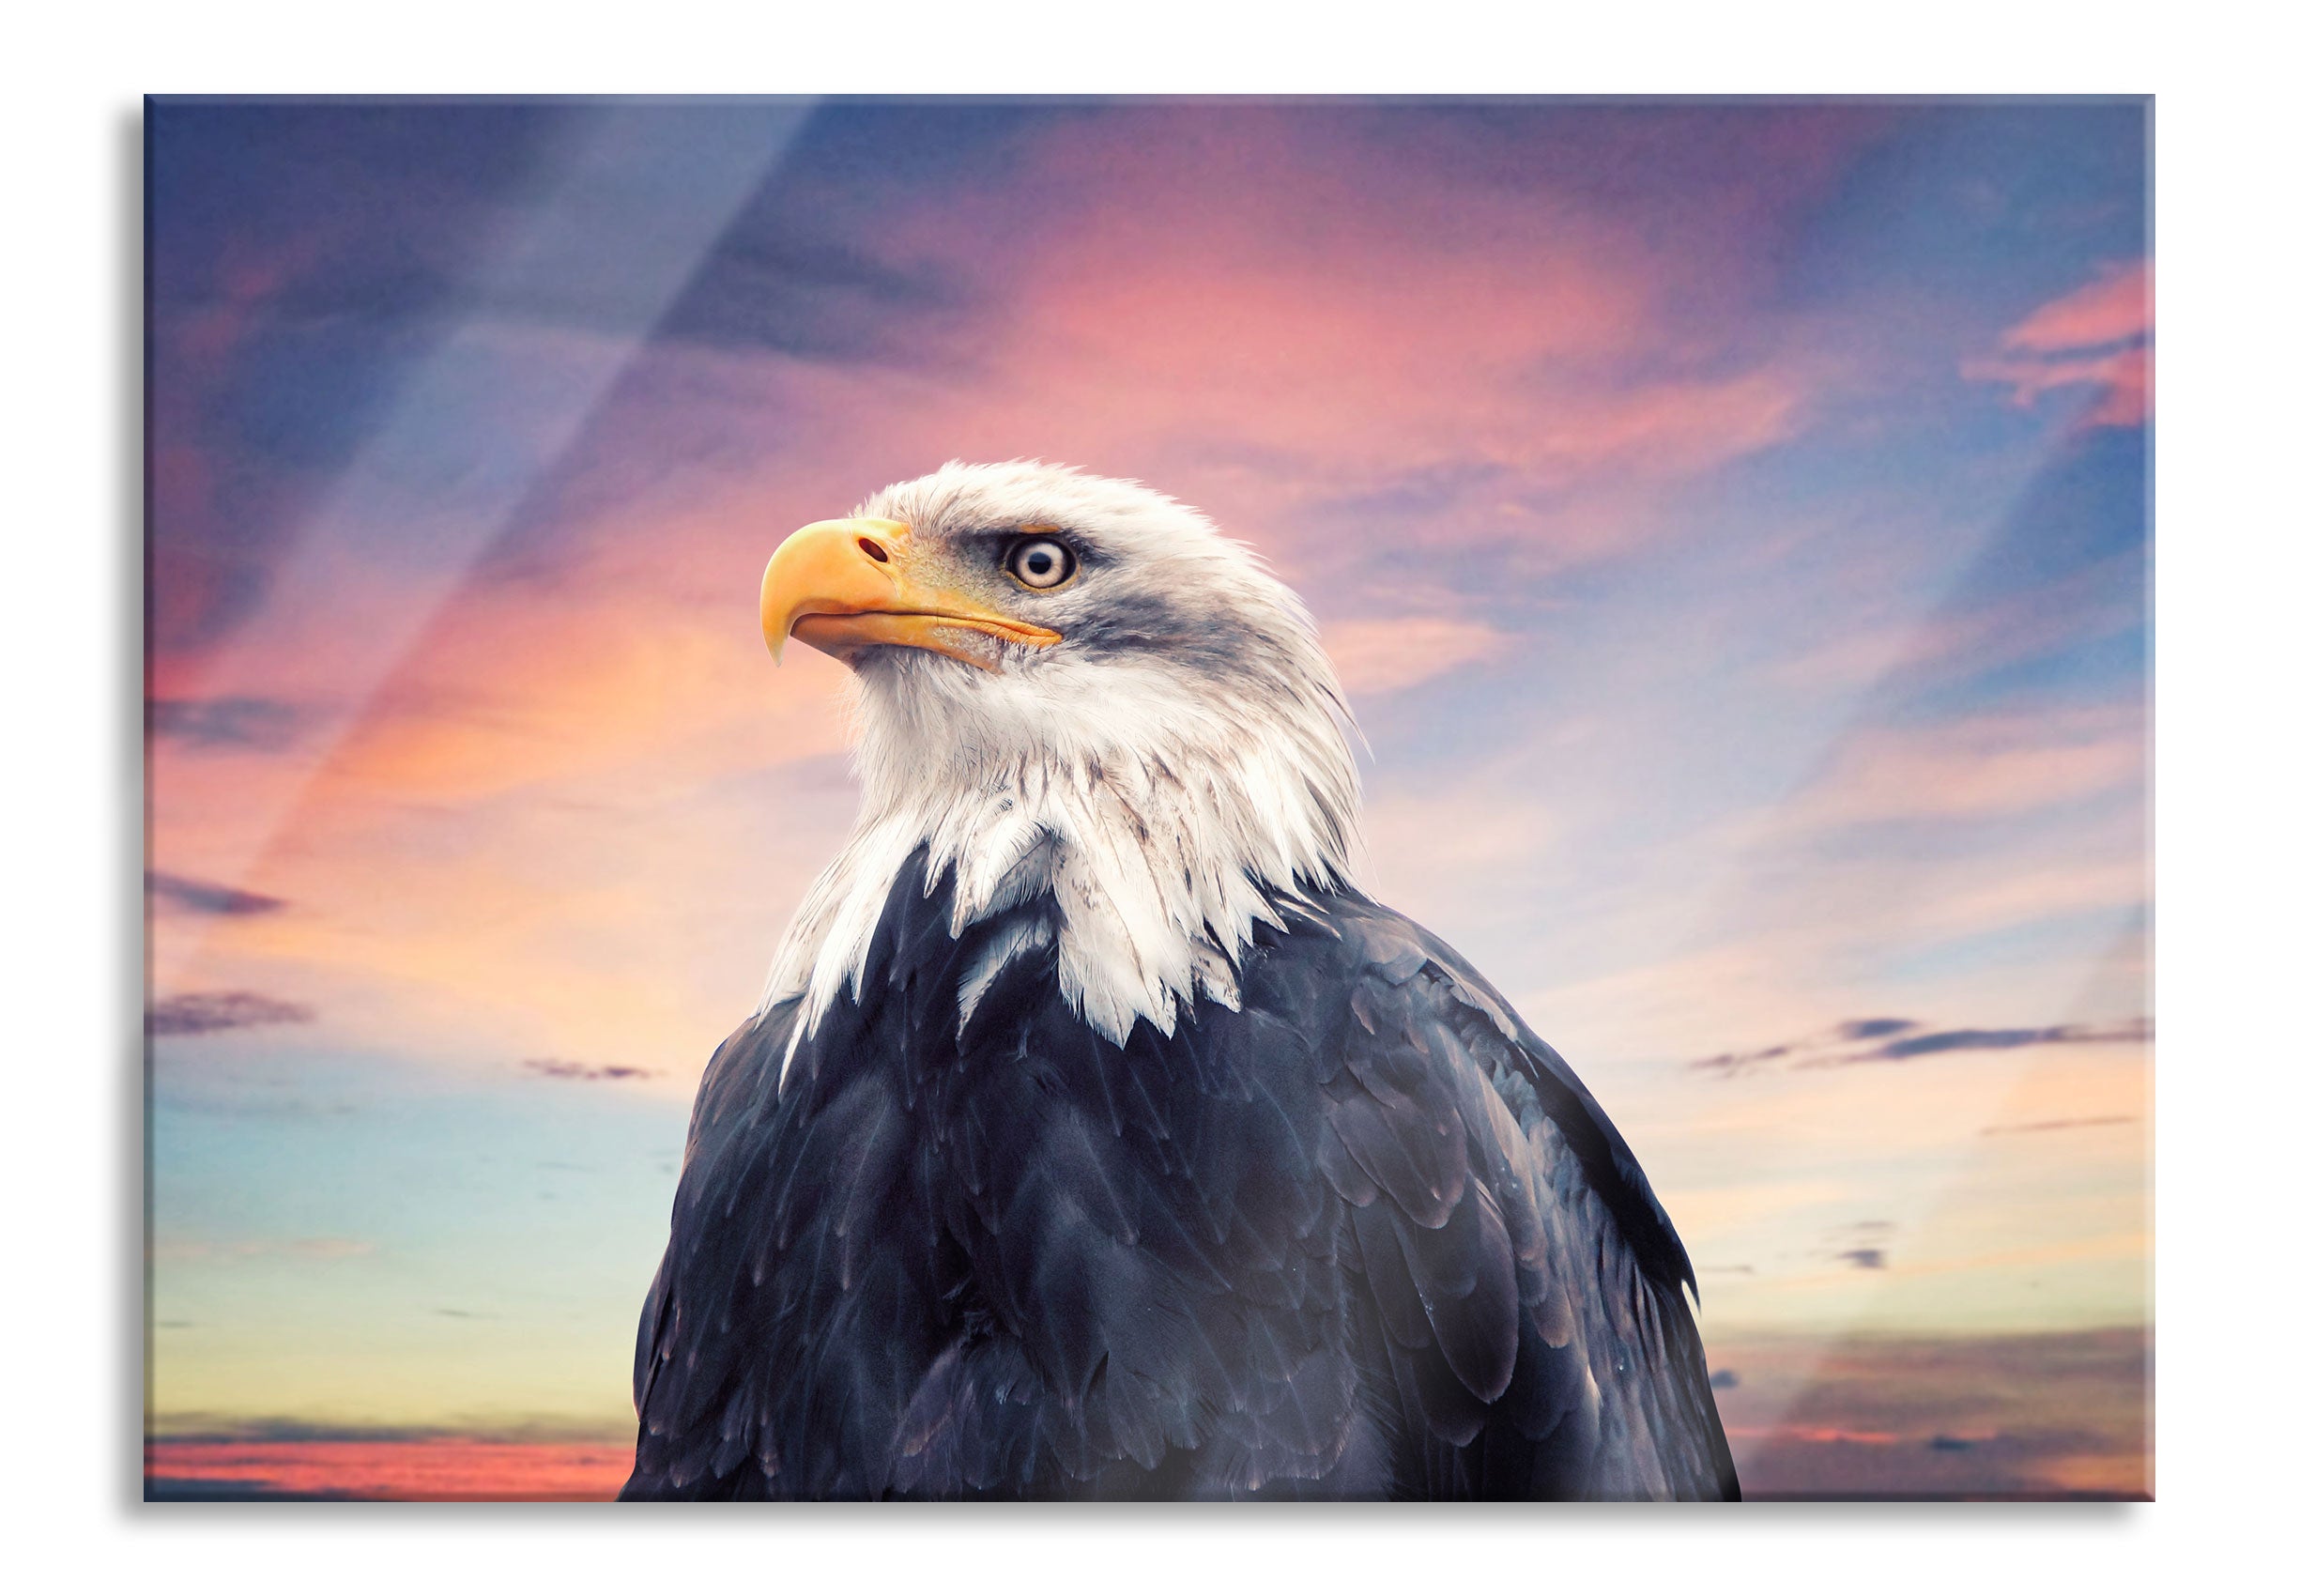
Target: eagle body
x=1366 y=1235
x=1099 y=1137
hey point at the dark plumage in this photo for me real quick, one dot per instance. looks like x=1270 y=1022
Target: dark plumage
x=1365 y=1237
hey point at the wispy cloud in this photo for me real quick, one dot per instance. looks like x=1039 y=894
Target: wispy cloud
x=1991 y=1041
x=2055 y=1415
x=1835 y=1036
x=1860 y=1244
x=767 y=287
x=567 y=1069
x=2114 y=307
x=1976 y=768
x=2099 y=336
x=1385 y=656
x=2036 y=1125
x=1844 y=1044
x=193 y=1014
x=207 y=898
x=226 y=722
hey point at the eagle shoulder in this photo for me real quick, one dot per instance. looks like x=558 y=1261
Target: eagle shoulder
x=1533 y=1292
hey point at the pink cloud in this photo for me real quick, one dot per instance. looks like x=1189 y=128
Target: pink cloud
x=446 y=1468
x=2040 y=620
x=1264 y=330
x=2117 y=305
x=1977 y=768
x=1259 y=328
x=2100 y=336
x=1389 y=656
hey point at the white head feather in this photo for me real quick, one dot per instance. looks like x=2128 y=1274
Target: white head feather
x=1162 y=775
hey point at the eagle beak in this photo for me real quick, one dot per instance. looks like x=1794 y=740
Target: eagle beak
x=847 y=586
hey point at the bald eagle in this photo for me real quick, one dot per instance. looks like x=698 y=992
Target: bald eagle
x=1097 y=1136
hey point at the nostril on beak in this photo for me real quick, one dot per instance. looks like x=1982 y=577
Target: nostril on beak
x=873 y=548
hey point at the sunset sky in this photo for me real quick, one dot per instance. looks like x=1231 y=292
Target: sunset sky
x=1731 y=522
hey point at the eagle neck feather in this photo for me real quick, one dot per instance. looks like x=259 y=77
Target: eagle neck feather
x=1150 y=848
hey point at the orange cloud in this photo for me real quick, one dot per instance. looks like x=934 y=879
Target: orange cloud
x=519 y=819
x=507 y=691
x=467 y=816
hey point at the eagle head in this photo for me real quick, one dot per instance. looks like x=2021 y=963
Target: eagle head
x=1072 y=690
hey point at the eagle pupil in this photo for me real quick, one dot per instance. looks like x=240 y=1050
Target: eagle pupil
x=1040 y=563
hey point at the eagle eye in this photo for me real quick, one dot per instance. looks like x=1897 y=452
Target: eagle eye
x=1041 y=562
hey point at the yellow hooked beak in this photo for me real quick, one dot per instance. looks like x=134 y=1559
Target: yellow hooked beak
x=846 y=586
